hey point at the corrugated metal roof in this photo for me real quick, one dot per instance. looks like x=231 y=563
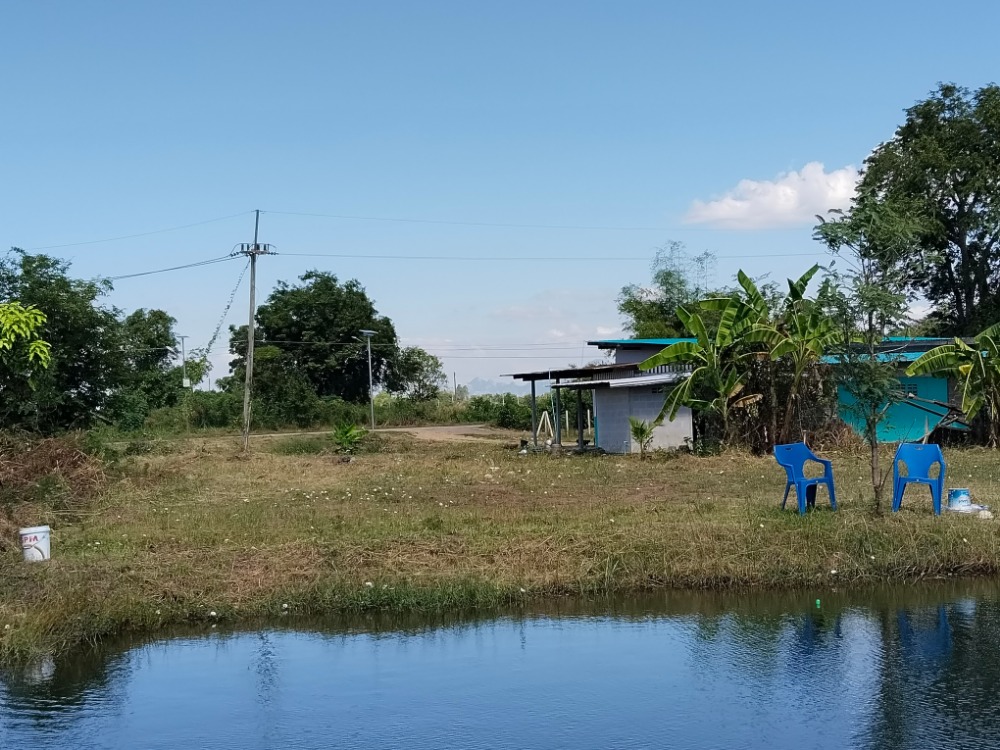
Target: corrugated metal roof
x=921 y=343
x=615 y=343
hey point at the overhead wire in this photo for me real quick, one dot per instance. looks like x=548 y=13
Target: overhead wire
x=140 y=234
x=532 y=258
x=197 y=264
x=225 y=313
x=491 y=224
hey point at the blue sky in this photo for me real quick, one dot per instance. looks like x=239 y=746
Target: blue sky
x=723 y=125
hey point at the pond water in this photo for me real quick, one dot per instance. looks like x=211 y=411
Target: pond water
x=905 y=668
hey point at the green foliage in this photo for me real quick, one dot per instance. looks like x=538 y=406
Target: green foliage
x=86 y=365
x=799 y=335
x=943 y=166
x=977 y=368
x=417 y=375
x=311 y=332
x=642 y=434
x=650 y=311
x=868 y=300
x=347 y=437
x=718 y=368
x=20 y=344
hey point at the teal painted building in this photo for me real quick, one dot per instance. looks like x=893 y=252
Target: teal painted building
x=922 y=410
x=905 y=421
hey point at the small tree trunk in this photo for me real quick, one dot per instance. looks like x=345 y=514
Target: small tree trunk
x=793 y=395
x=992 y=412
x=774 y=406
x=877 y=484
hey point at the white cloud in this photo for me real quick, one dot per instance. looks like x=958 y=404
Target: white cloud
x=791 y=199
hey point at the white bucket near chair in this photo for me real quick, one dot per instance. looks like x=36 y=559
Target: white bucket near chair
x=959 y=497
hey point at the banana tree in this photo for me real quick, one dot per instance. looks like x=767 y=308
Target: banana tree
x=802 y=334
x=718 y=371
x=976 y=367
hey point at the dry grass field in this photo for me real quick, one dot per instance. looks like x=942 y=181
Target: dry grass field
x=191 y=531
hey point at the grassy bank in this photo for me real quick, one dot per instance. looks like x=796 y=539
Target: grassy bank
x=192 y=532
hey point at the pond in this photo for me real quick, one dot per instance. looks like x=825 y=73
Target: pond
x=897 y=668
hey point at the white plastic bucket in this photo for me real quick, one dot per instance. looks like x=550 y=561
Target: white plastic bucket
x=36 y=544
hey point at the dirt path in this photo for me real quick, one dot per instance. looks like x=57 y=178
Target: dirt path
x=450 y=433
x=438 y=434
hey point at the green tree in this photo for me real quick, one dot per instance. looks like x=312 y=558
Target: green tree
x=151 y=379
x=678 y=280
x=943 y=165
x=316 y=327
x=718 y=369
x=87 y=365
x=416 y=374
x=867 y=300
x=800 y=335
x=977 y=368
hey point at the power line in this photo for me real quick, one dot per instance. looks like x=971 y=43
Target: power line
x=534 y=258
x=501 y=225
x=140 y=234
x=225 y=313
x=438 y=347
x=198 y=264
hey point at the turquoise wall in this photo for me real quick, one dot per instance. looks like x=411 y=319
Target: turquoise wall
x=904 y=422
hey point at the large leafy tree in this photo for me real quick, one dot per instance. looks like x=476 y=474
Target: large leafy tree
x=417 y=374
x=314 y=329
x=150 y=348
x=943 y=164
x=678 y=280
x=87 y=363
x=976 y=368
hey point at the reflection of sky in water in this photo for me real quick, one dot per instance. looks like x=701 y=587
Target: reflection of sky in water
x=857 y=677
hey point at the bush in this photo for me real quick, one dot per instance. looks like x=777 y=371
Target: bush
x=53 y=471
x=347 y=437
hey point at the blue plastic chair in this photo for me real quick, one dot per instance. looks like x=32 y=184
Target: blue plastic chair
x=792 y=458
x=919 y=458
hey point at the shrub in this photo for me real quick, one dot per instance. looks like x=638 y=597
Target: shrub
x=347 y=437
x=53 y=471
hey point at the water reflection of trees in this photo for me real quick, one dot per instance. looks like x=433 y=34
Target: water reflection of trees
x=921 y=670
x=939 y=675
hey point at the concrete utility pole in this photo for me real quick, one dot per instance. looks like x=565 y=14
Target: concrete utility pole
x=371 y=387
x=252 y=251
x=184 y=370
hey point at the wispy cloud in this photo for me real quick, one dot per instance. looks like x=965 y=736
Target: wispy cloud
x=790 y=199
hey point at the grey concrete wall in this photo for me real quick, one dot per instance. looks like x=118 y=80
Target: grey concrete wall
x=613 y=406
x=611 y=413
x=633 y=356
